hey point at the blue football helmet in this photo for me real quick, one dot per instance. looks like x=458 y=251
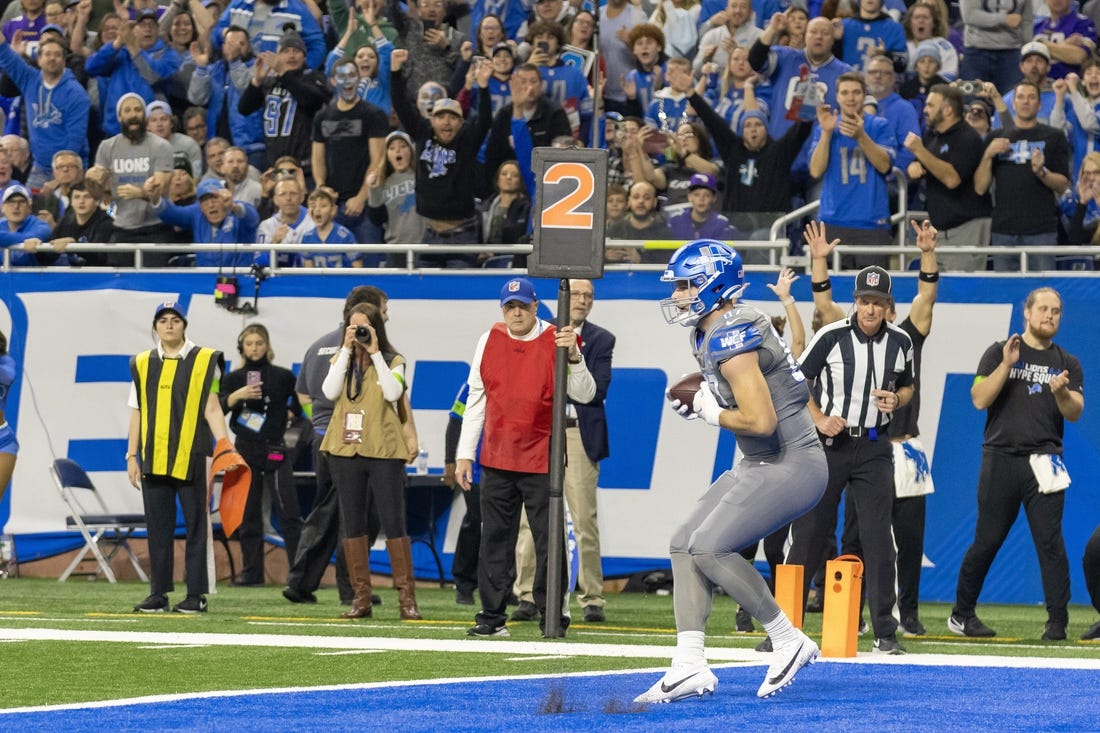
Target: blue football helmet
x=714 y=268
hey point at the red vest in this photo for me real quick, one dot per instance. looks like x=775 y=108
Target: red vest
x=519 y=398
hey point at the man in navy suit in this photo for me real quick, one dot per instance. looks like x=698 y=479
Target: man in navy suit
x=586 y=445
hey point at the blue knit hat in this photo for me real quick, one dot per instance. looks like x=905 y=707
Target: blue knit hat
x=750 y=114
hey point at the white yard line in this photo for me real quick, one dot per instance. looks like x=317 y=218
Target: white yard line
x=503 y=646
x=547 y=649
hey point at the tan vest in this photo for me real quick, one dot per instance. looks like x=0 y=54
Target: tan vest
x=382 y=436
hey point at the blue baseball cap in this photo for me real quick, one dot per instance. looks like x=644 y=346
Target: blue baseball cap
x=519 y=289
x=170 y=306
x=209 y=187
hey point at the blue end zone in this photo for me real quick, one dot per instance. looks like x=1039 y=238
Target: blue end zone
x=828 y=697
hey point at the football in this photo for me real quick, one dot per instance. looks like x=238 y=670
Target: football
x=685 y=388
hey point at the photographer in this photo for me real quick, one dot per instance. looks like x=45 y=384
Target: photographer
x=258 y=396
x=367 y=452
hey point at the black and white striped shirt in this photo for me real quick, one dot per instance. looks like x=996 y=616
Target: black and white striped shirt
x=846 y=364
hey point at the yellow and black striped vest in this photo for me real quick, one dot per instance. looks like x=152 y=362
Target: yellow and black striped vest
x=172 y=395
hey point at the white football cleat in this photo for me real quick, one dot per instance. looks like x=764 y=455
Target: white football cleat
x=787 y=660
x=680 y=683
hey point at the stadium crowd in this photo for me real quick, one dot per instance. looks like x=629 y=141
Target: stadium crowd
x=288 y=121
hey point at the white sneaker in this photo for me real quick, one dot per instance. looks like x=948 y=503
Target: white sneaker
x=788 y=659
x=680 y=683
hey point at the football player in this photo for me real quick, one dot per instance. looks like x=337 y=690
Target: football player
x=754 y=388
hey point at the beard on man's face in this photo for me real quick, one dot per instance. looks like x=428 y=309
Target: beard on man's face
x=133 y=128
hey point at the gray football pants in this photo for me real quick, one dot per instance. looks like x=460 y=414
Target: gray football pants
x=744 y=504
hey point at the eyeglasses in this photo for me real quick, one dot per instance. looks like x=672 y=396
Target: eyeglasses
x=977 y=112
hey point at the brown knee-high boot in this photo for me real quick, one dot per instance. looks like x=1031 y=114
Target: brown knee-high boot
x=400 y=551
x=357 y=552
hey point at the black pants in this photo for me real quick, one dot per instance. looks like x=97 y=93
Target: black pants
x=158 y=494
x=280 y=483
x=1090 y=563
x=321 y=534
x=1005 y=483
x=365 y=482
x=464 y=567
x=502 y=495
x=866 y=468
x=908 y=518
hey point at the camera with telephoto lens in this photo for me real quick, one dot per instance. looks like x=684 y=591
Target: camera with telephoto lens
x=362 y=335
x=970 y=87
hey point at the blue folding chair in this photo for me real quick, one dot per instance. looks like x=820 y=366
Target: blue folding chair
x=96 y=523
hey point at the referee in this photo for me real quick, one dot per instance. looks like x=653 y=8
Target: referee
x=862 y=369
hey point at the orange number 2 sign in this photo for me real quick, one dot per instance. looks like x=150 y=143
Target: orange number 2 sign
x=563 y=214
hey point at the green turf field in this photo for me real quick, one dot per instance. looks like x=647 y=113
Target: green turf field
x=52 y=671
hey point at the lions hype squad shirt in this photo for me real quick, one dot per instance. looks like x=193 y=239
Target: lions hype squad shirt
x=133 y=163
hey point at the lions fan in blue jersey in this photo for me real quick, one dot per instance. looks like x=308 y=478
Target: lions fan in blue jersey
x=755 y=389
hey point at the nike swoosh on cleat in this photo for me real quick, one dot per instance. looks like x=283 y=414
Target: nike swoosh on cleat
x=670 y=688
x=786 y=669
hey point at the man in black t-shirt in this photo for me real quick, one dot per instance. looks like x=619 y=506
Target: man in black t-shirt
x=1029 y=386
x=1028 y=166
x=946 y=158
x=446 y=164
x=349 y=141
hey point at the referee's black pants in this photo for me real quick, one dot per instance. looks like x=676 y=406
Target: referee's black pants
x=502 y=495
x=909 y=515
x=1006 y=482
x=158 y=494
x=866 y=468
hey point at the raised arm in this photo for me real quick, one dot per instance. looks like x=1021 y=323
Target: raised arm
x=782 y=290
x=920 y=313
x=820 y=251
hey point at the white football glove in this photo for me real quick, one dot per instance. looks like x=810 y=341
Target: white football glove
x=707 y=407
x=685 y=411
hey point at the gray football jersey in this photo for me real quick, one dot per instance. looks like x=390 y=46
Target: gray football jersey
x=743 y=329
